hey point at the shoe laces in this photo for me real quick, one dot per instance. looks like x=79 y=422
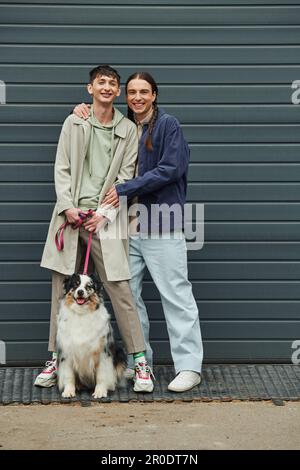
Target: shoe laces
x=51 y=364
x=143 y=368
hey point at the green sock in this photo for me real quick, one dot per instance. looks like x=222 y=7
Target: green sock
x=54 y=356
x=139 y=357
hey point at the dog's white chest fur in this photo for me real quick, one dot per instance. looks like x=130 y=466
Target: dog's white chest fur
x=80 y=333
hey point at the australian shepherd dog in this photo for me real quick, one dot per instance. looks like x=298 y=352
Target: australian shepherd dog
x=86 y=352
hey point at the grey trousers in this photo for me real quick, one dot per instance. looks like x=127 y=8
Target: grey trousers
x=119 y=292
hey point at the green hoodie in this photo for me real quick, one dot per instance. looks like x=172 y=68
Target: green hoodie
x=98 y=159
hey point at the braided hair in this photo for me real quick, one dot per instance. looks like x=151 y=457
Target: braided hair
x=148 y=78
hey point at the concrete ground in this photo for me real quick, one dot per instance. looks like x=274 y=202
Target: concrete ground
x=151 y=426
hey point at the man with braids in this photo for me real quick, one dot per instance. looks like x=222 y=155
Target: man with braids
x=161 y=179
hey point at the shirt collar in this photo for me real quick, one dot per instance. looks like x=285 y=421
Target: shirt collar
x=146 y=118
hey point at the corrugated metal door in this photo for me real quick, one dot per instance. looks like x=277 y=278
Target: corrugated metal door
x=225 y=69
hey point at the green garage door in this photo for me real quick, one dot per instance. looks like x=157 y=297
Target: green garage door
x=225 y=69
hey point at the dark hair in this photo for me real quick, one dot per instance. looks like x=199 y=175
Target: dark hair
x=106 y=70
x=148 y=78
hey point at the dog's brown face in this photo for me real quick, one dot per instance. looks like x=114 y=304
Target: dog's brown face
x=83 y=290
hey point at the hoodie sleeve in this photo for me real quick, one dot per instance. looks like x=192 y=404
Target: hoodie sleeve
x=172 y=165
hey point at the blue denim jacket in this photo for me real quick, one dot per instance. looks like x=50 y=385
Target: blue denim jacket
x=162 y=172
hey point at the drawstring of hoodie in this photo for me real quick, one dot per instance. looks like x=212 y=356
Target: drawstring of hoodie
x=97 y=125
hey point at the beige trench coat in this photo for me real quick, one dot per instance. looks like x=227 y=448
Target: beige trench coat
x=71 y=151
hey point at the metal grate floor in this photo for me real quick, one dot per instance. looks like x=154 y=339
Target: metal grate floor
x=219 y=383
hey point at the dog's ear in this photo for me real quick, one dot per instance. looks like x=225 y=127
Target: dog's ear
x=97 y=283
x=69 y=282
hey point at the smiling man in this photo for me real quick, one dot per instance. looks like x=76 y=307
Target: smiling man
x=92 y=155
x=159 y=244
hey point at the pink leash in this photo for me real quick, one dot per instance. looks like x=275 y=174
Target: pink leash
x=87 y=255
x=59 y=236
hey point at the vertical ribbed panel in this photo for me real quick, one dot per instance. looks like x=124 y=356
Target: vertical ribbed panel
x=225 y=69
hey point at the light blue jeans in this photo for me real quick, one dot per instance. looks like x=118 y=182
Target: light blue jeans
x=166 y=260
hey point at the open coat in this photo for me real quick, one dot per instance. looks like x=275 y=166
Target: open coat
x=71 y=152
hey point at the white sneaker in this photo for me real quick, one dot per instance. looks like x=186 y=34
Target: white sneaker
x=129 y=373
x=48 y=377
x=142 y=379
x=185 y=380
